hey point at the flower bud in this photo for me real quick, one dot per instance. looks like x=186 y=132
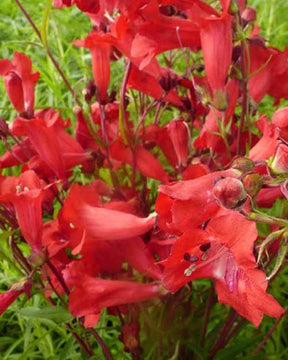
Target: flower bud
x=252 y=183
x=249 y=15
x=4 y=129
x=37 y=259
x=243 y=164
x=279 y=164
x=230 y=193
x=178 y=133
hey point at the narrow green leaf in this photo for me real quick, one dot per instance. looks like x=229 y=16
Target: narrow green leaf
x=56 y=314
x=280 y=257
x=45 y=22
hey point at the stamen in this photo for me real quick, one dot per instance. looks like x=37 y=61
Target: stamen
x=190 y=270
x=186 y=256
x=204 y=256
x=189 y=258
x=205 y=247
x=194 y=258
x=18 y=189
x=26 y=188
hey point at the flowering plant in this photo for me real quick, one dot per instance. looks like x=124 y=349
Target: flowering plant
x=154 y=186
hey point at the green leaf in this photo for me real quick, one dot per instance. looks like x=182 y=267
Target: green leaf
x=280 y=257
x=57 y=314
x=44 y=25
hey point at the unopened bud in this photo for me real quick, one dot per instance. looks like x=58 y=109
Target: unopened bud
x=243 y=164
x=252 y=183
x=249 y=15
x=279 y=164
x=230 y=193
x=76 y=109
x=37 y=259
x=168 y=81
x=4 y=129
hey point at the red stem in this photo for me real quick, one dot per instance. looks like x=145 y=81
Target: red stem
x=101 y=343
x=207 y=314
x=58 y=276
x=244 y=91
x=221 y=341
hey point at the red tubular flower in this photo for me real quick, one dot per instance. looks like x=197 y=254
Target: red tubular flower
x=159 y=33
x=260 y=58
x=61 y=3
x=100 y=293
x=46 y=132
x=20 y=81
x=100 y=223
x=90 y=6
x=7 y=298
x=216 y=42
x=145 y=162
x=159 y=135
x=178 y=133
x=149 y=84
x=224 y=252
x=279 y=82
x=26 y=194
x=280 y=119
x=267 y=144
x=98 y=44
x=183 y=204
x=149 y=166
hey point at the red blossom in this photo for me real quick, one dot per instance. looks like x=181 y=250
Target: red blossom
x=80 y=211
x=20 y=81
x=8 y=297
x=224 y=252
x=26 y=194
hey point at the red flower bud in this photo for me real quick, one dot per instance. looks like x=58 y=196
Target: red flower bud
x=249 y=15
x=4 y=129
x=279 y=164
x=230 y=193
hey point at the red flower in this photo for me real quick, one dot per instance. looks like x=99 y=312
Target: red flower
x=100 y=46
x=100 y=293
x=99 y=223
x=178 y=133
x=216 y=42
x=145 y=162
x=20 y=81
x=224 y=252
x=7 y=298
x=267 y=144
x=26 y=194
x=149 y=84
x=189 y=203
x=46 y=132
x=90 y=6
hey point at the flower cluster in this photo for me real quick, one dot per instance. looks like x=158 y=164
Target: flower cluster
x=107 y=235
